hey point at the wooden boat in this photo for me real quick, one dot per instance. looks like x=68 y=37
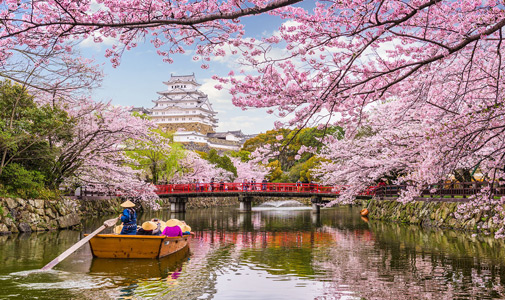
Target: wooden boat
x=139 y=267
x=136 y=246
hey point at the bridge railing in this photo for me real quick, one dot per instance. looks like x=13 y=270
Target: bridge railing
x=247 y=187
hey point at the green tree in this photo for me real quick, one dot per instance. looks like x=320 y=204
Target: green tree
x=29 y=132
x=158 y=156
x=223 y=162
x=288 y=148
x=242 y=154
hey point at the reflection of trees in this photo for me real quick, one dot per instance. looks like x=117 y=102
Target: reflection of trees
x=275 y=252
x=402 y=262
x=200 y=274
x=34 y=250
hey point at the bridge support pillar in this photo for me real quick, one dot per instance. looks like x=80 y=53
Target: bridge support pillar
x=316 y=203
x=178 y=204
x=245 y=202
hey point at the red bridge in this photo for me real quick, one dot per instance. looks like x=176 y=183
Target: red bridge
x=198 y=189
x=178 y=194
x=450 y=192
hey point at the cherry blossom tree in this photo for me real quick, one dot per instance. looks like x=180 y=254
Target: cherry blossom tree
x=156 y=155
x=95 y=157
x=248 y=170
x=442 y=70
x=440 y=61
x=174 y=24
x=194 y=167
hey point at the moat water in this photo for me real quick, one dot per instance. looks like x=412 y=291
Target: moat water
x=266 y=254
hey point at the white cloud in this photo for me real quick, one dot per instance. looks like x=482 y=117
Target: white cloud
x=215 y=96
x=90 y=43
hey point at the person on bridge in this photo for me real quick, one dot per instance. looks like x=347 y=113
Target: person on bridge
x=264 y=184
x=298 y=185
x=194 y=186
x=245 y=185
x=199 y=187
x=211 y=186
x=129 y=218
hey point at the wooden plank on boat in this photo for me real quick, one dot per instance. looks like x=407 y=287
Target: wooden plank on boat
x=172 y=245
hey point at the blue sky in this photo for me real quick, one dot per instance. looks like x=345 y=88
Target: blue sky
x=141 y=73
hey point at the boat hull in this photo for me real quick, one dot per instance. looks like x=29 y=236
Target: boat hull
x=136 y=246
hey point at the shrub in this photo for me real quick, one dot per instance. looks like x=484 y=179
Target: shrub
x=25 y=183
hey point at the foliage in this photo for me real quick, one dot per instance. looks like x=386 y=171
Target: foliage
x=276 y=173
x=223 y=162
x=248 y=170
x=158 y=156
x=291 y=149
x=242 y=154
x=303 y=170
x=22 y=182
x=424 y=76
x=29 y=133
x=193 y=167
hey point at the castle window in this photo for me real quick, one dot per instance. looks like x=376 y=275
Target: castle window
x=177 y=119
x=184 y=119
x=190 y=118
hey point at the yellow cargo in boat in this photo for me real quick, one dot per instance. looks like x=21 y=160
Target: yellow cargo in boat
x=136 y=246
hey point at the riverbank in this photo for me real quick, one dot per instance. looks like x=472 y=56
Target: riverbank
x=438 y=214
x=20 y=215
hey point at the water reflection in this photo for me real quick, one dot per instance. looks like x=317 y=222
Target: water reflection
x=271 y=254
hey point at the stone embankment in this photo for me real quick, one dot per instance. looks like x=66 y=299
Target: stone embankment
x=436 y=214
x=20 y=215
x=209 y=202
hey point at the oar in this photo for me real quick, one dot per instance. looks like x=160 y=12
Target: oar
x=57 y=260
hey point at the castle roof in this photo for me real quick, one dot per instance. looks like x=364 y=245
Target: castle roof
x=182 y=79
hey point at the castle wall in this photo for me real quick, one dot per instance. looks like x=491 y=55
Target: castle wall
x=198 y=127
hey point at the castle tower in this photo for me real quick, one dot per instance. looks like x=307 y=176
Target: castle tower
x=184 y=109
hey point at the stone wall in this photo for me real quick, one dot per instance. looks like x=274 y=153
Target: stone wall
x=224 y=142
x=208 y=202
x=433 y=214
x=19 y=215
x=190 y=126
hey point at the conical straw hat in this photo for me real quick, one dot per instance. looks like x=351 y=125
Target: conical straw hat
x=149 y=225
x=173 y=222
x=185 y=228
x=128 y=203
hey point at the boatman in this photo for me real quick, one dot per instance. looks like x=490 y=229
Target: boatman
x=129 y=218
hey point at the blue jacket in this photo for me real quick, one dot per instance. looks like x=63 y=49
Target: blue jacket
x=129 y=219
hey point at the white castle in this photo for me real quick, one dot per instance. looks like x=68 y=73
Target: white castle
x=186 y=111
